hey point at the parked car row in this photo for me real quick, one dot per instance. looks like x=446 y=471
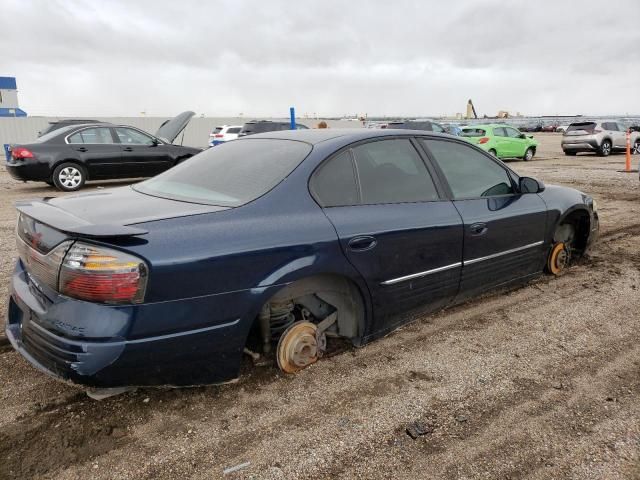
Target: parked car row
x=226 y=133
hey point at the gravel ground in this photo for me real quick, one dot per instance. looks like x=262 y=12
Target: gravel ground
x=539 y=382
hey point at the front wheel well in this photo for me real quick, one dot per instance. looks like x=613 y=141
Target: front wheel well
x=574 y=229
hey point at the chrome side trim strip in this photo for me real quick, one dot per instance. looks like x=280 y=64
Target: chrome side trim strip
x=499 y=254
x=459 y=264
x=421 y=274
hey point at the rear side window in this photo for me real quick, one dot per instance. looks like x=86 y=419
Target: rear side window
x=499 y=132
x=334 y=184
x=586 y=126
x=234 y=130
x=92 y=136
x=473 y=132
x=391 y=171
x=470 y=174
x=231 y=174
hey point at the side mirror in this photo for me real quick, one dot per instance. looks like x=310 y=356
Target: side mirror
x=530 y=185
x=155 y=142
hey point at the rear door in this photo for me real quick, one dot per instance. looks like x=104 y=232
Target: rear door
x=142 y=155
x=97 y=150
x=620 y=136
x=502 y=142
x=394 y=226
x=504 y=230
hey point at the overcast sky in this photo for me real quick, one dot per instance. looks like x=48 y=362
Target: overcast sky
x=391 y=57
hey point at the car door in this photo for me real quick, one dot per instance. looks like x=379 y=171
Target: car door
x=394 y=226
x=504 y=230
x=501 y=142
x=517 y=144
x=142 y=154
x=620 y=140
x=97 y=150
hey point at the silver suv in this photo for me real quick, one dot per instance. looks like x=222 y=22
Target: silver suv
x=601 y=137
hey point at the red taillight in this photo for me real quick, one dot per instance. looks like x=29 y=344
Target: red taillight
x=219 y=135
x=483 y=140
x=21 y=152
x=99 y=274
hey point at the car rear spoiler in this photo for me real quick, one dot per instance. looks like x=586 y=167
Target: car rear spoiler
x=64 y=221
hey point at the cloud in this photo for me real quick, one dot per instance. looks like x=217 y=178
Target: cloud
x=76 y=57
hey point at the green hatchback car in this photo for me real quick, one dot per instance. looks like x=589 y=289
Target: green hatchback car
x=502 y=141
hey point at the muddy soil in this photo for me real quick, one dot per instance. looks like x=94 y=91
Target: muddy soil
x=538 y=382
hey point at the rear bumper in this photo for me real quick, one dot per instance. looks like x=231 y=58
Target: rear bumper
x=587 y=145
x=29 y=170
x=91 y=344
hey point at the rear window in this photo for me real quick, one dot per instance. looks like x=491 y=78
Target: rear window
x=473 y=132
x=217 y=130
x=54 y=133
x=231 y=174
x=586 y=126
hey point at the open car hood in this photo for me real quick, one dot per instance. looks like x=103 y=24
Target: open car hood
x=170 y=129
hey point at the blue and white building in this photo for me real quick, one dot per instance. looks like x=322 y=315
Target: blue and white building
x=9 y=98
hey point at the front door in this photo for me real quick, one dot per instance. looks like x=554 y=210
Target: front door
x=142 y=155
x=503 y=229
x=97 y=151
x=516 y=143
x=394 y=227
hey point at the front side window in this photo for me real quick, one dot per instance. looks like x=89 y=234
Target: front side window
x=334 y=183
x=92 y=136
x=391 y=171
x=130 y=136
x=499 y=132
x=231 y=174
x=512 y=132
x=469 y=173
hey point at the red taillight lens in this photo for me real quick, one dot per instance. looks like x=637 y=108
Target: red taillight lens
x=483 y=140
x=218 y=135
x=21 y=152
x=99 y=274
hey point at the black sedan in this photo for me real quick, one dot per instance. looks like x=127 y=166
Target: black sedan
x=277 y=243
x=69 y=156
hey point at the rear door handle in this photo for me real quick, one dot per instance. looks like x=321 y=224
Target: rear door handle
x=127 y=149
x=362 y=243
x=81 y=149
x=478 y=229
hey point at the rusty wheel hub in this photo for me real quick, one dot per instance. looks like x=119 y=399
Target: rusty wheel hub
x=298 y=347
x=558 y=258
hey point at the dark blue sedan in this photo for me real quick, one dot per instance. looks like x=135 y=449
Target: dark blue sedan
x=276 y=245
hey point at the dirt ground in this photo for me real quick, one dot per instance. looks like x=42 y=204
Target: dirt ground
x=540 y=382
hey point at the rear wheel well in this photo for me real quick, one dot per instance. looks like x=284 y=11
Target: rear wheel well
x=69 y=160
x=316 y=296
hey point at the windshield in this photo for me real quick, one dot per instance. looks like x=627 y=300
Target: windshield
x=231 y=174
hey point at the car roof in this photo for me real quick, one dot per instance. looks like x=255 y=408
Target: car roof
x=314 y=136
x=491 y=125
